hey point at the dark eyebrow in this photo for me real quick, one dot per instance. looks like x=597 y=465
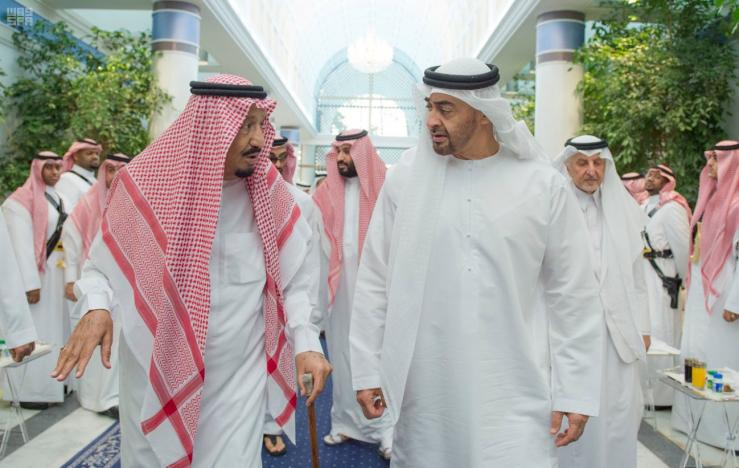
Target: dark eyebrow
x=440 y=103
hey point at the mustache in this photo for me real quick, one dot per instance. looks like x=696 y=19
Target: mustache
x=438 y=131
x=251 y=151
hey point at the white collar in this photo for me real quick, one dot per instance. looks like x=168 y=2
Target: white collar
x=84 y=172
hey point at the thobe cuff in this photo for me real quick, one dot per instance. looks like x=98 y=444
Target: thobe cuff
x=364 y=383
x=21 y=337
x=565 y=405
x=70 y=273
x=306 y=339
x=94 y=301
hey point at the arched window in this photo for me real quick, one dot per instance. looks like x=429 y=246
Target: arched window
x=381 y=102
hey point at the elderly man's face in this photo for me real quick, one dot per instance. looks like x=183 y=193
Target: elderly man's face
x=87 y=158
x=654 y=181
x=51 y=172
x=278 y=156
x=452 y=123
x=586 y=171
x=241 y=158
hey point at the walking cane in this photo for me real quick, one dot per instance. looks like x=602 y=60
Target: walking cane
x=308 y=384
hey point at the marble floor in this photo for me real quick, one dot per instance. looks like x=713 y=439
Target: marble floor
x=60 y=432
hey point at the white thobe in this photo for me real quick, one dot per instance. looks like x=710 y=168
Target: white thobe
x=610 y=439
x=668 y=228
x=476 y=394
x=73 y=186
x=97 y=390
x=312 y=215
x=346 y=415
x=713 y=340
x=16 y=324
x=49 y=314
x=234 y=394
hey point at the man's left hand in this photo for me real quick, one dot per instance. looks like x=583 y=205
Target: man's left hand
x=311 y=362
x=647 y=341
x=19 y=352
x=730 y=316
x=576 y=427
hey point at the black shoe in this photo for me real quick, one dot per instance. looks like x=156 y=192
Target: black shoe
x=33 y=405
x=111 y=412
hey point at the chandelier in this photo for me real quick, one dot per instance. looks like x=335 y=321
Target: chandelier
x=370 y=54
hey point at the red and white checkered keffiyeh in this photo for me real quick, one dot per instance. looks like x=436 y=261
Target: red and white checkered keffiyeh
x=77 y=145
x=31 y=196
x=668 y=194
x=330 y=198
x=718 y=208
x=291 y=163
x=88 y=213
x=159 y=226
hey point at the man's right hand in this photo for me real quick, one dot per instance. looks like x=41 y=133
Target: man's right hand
x=95 y=328
x=372 y=402
x=33 y=296
x=69 y=291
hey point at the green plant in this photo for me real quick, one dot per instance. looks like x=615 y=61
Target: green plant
x=104 y=89
x=659 y=76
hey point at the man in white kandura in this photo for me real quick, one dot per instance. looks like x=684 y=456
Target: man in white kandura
x=614 y=222
x=35 y=213
x=445 y=321
x=80 y=162
x=355 y=173
x=16 y=323
x=98 y=389
x=666 y=238
x=711 y=329
x=283 y=157
x=202 y=239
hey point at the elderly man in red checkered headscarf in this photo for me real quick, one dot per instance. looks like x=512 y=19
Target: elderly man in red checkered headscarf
x=201 y=256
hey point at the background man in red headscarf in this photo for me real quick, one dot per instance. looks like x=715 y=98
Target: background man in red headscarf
x=711 y=331
x=98 y=389
x=634 y=183
x=665 y=265
x=80 y=162
x=202 y=239
x=35 y=214
x=346 y=200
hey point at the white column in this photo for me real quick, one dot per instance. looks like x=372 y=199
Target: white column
x=558 y=114
x=175 y=39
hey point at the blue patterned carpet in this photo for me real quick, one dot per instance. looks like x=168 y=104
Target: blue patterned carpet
x=104 y=451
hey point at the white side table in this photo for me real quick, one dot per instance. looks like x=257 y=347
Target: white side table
x=16 y=416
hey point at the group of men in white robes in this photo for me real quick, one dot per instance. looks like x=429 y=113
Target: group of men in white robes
x=483 y=303
x=62 y=209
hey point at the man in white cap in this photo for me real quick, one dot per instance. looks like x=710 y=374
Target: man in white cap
x=444 y=327
x=614 y=222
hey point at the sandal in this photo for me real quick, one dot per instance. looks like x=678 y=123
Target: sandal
x=334 y=439
x=273 y=440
